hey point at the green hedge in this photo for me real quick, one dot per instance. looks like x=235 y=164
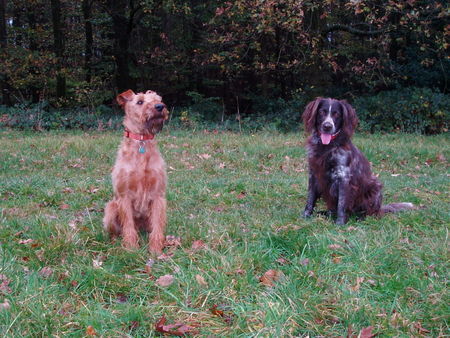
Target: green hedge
x=411 y=110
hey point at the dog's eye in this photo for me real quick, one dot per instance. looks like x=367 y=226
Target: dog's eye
x=140 y=102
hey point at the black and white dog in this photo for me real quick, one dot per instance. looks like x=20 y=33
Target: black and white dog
x=338 y=171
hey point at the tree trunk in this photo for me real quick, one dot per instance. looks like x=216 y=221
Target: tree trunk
x=4 y=87
x=58 y=47
x=122 y=28
x=89 y=40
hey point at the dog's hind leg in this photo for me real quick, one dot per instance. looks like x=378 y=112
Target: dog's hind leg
x=111 y=220
x=157 y=225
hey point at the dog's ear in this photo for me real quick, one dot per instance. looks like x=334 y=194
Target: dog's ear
x=309 y=115
x=350 y=118
x=150 y=92
x=125 y=97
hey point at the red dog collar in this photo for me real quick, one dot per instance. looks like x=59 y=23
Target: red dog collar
x=138 y=137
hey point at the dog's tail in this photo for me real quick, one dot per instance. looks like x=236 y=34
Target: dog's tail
x=396 y=207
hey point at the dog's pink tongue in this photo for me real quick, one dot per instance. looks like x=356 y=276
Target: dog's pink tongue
x=326 y=138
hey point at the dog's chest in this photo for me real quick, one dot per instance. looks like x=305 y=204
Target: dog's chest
x=332 y=164
x=144 y=175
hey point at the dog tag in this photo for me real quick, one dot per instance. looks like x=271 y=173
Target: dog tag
x=142 y=147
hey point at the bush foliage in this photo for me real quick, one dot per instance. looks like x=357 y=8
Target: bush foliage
x=411 y=110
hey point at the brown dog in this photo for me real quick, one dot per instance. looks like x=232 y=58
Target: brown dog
x=139 y=174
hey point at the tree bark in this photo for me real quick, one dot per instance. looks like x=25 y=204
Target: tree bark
x=4 y=87
x=58 y=47
x=122 y=28
x=89 y=40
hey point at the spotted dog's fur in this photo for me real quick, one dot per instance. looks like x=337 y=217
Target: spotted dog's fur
x=338 y=171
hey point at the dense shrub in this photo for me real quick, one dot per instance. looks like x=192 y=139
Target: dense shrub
x=42 y=117
x=412 y=110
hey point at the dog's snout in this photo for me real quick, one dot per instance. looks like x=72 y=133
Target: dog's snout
x=159 y=107
x=327 y=126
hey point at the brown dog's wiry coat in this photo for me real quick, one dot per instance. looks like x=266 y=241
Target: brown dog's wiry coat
x=139 y=174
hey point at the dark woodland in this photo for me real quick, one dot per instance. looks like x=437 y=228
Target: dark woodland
x=239 y=55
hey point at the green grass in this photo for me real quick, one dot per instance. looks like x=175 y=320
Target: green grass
x=244 y=202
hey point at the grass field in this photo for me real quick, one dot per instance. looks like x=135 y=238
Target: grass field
x=248 y=265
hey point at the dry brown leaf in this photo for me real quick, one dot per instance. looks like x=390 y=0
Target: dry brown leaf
x=177 y=329
x=26 y=241
x=172 y=240
x=46 y=272
x=334 y=246
x=64 y=206
x=165 y=280
x=4 y=284
x=90 y=331
x=366 y=332
x=356 y=287
x=304 y=262
x=201 y=280
x=198 y=245
x=5 y=305
x=270 y=277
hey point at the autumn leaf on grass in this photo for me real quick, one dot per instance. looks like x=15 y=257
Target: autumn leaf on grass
x=356 y=287
x=5 y=305
x=270 y=277
x=204 y=156
x=148 y=266
x=366 y=332
x=90 y=331
x=177 y=329
x=165 y=280
x=198 y=245
x=334 y=247
x=4 y=284
x=201 y=280
x=221 y=313
x=46 y=272
x=172 y=241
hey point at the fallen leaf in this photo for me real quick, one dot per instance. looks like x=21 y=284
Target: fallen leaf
x=5 y=305
x=204 y=156
x=46 y=272
x=282 y=261
x=64 y=206
x=198 y=245
x=148 y=266
x=271 y=276
x=241 y=195
x=366 y=332
x=90 y=331
x=337 y=260
x=97 y=263
x=26 y=241
x=177 y=329
x=165 y=256
x=227 y=317
x=121 y=298
x=420 y=329
x=201 y=280
x=173 y=241
x=334 y=246
x=356 y=287
x=304 y=262
x=4 y=284
x=165 y=280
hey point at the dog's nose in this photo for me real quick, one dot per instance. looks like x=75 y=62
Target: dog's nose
x=327 y=126
x=159 y=107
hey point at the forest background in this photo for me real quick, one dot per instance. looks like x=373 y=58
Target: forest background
x=251 y=61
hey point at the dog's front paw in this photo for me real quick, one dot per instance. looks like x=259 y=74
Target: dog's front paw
x=307 y=213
